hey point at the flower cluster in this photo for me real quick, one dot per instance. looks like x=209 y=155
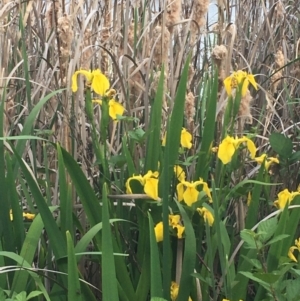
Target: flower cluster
x=187 y=191
x=239 y=77
x=96 y=79
x=174 y=222
x=100 y=84
x=229 y=145
x=293 y=248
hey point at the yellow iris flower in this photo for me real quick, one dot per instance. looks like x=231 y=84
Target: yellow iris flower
x=96 y=79
x=174 y=219
x=159 y=231
x=268 y=161
x=180 y=174
x=186 y=191
x=229 y=145
x=185 y=139
x=174 y=222
x=114 y=108
x=207 y=215
x=175 y=290
x=293 y=248
x=291 y=253
x=28 y=216
x=285 y=197
x=232 y=81
x=150 y=183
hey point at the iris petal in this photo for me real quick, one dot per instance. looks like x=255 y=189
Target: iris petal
x=190 y=195
x=226 y=150
x=159 y=232
x=115 y=108
x=100 y=82
x=151 y=188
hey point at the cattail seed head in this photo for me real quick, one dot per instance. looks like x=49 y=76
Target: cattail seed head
x=276 y=78
x=200 y=9
x=162 y=39
x=190 y=110
x=173 y=11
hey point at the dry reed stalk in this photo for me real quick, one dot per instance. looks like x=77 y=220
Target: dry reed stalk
x=135 y=80
x=105 y=34
x=9 y=114
x=53 y=9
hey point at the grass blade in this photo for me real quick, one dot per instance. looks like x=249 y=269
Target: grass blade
x=29 y=249
x=109 y=279
x=152 y=150
x=203 y=165
x=189 y=257
x=74 y=292
x=58 y=245
x=156 y=281
x=65 y=200
x=170 y=157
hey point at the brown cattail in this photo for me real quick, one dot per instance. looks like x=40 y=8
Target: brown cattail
x=198 y=17
x=50 y=14
x=219 y=55
x=161 y=36
x=244 y=113
x=105 y=34
x=189 y=111
x=86 y=50
x=130 y=40
x=173 y=12
x=65 y=33
x=191 y=74
x=153 y=91
x=279 y=11
x=9 y=113
x=279 y=63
